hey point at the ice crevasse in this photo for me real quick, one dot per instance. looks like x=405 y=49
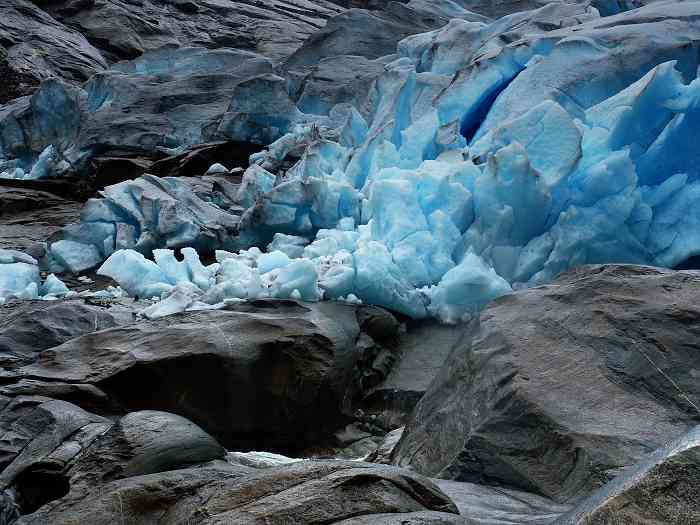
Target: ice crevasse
x=457 y=183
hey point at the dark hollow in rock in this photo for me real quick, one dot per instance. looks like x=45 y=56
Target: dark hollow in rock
x=38 y=487
x=197 y=160
x=264 y=375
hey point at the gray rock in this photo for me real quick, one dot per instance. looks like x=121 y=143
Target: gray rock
x=144 y=442
x=423 y=349
x=28 y=327
x=40 y=437
x=28 y=216
x=37 y=47
x=306 y=492
x=125 y=29
x=564 y=385
x=338 y=79
x=369 y=34
x=486 y=505
x=270 y=375
x=663 y=488
x=409 y=518
x=383 y=452
x=164 y=99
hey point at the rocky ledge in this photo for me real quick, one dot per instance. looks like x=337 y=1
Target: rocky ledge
x=574 y=402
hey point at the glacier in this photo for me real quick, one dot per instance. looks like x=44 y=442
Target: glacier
x=487 y=156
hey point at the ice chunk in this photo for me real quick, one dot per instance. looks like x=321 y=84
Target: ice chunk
x=292 y=245
x=75 y=256
x=271 y=261
x=256 y=182
x=298 y=276
x=235 y=280
x=465 y=289
x=179 y=299
x=136 y=274
x=53 y=286
x=216 y=168
x=19 y=279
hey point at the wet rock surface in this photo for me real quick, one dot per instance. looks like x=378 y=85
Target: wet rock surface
x=562 y=386
x=28 y=216
x=34 y=46
x=256 y=375
x=662 y=488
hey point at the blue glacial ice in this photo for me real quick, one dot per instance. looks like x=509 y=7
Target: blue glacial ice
x=488 y=157
x=20 y=278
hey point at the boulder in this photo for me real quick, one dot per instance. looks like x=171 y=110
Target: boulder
x=263 y=375
x=40 y=437
x=487 y=505
x=29 y=327
x=561 y=386
x=51 y=447
x=662 y=488
x=312 y=492
x=410 y=518
x=144 y=442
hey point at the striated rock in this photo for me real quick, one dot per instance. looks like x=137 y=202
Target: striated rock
x=40 y=437
x=488 y=505
x=412 y=518
x=28 y=327
x=563 y=385
x=140 y=443
x=125 y=29
x=663 y=488
x=37 y=47
x=270 y=375
x=29 y=217
x=307 y=492
x=423 y=349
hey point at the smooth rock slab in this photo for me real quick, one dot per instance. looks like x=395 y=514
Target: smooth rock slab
x=564 y=385
x=663 y=488
x=30 y=327
x=144 y=442
x=309 y=492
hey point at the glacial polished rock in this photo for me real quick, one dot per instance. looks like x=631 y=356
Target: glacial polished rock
x=255 y=375
x=27 y=328
x=37 y=47
x=306 y=492
x=662 y=488
x=562 y=386
x=125 y=29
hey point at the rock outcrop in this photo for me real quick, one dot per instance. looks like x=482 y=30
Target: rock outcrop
x=562 y=386
x=311 y=492
x=663 y=488
x=269 y=375
x=34 y=46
